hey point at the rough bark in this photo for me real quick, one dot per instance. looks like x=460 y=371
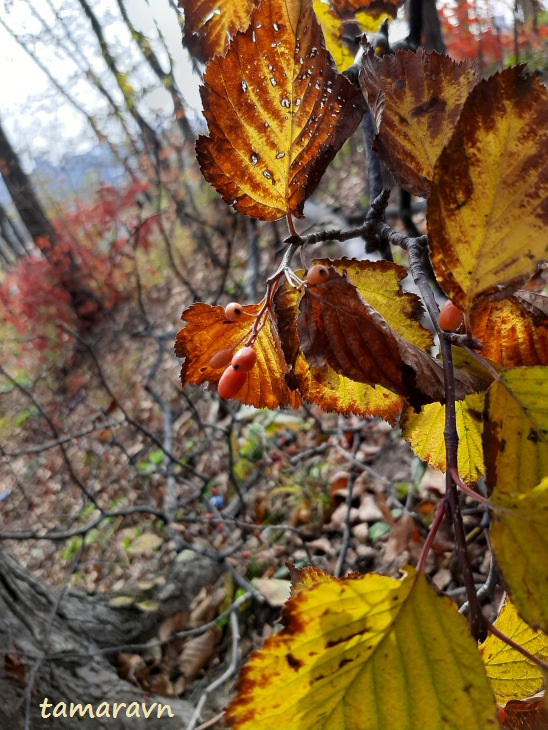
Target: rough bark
x=58 y=636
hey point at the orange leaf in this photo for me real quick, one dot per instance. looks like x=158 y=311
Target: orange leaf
x=415 y=99
x=208 y=331
x=210 y=23
x=277 y=112
x=514 y=331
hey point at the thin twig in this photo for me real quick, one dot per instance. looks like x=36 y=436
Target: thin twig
x=226 y=675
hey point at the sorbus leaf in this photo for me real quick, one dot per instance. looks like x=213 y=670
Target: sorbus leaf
x=210 y=23
x=424 y=431
x=336 y=326
x=519 y=538
x=277 y=112
x=207 y=331
x=513 y=331
x=512 y=675
x=488 y=209
x=395 y=642
x=515 y=437
x=415 y=99
x=333 y=28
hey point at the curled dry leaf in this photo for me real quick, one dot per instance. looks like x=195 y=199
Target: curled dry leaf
x=198 y=652
x=415 y=99
x=277 y=112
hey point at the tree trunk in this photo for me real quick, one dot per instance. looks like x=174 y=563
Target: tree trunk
x=22 y=192
x=50 y=639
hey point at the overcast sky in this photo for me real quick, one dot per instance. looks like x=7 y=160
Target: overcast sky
x=36 y=117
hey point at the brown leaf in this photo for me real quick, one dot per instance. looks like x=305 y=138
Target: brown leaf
x=529 y=714
x=277 y=112
x=336 y=326
x=415 y=99
x=379 y=284
x=208 y=331
x=210 y=23
x=374 y=7
x=514 y=331
x=15 y=666
x=198 y=652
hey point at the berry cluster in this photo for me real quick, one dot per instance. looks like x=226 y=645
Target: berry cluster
x=238 y=365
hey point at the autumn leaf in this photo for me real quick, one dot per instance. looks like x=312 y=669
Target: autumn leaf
x=513 y=331
x=529 y=714
x=519 y=537
x=336 y=326
x=208 y=331
x=424 y=431
x=415 y=99
x=369 y=652
x=512 y=675
x=379 y=283
x=210 y=23
x=277 y=112
x=378 y=8
x=304 y=578
x=333 y=30
x=488 y=209
x=515 y=436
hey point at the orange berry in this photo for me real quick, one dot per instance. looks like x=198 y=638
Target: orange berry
x=244 y=359
x=221 y=359
x=317 y=275
x=451 y=317
x=231 y=382
x=233 y=311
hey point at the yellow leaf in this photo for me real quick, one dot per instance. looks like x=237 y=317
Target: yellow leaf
x=415 y=99
x=515 y=441
x=519 y=536
x=488 y=209
x=367 y=653
x=424 y=431
x=277 y=112
x=145 y=542
x=513 y=676
x=333 y=28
